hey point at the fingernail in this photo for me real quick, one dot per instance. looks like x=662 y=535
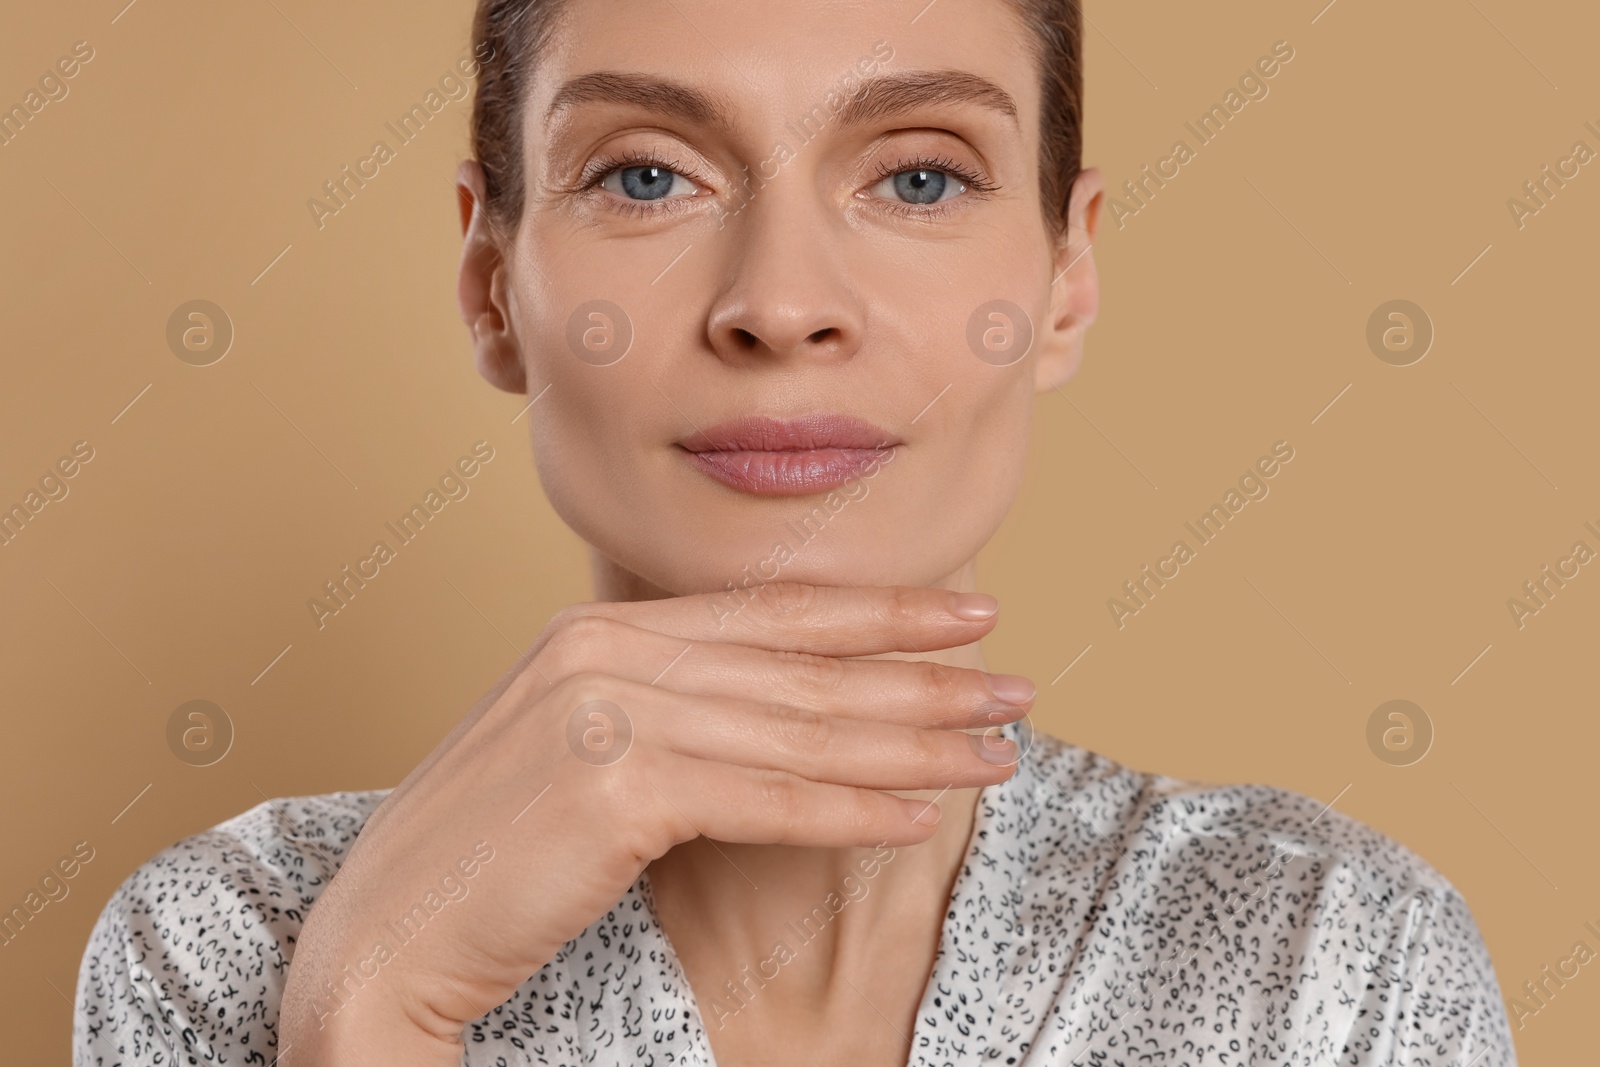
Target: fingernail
x=973 y=605
x=1000 y=751
x=997 y=713
x=924 y=812
x=1012 y=688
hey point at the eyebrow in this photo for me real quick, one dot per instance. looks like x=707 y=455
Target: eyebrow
x=885 y=96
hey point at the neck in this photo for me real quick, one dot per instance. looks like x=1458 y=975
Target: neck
x=726 y=907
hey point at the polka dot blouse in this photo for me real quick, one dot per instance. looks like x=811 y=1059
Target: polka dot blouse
x=1102 y=917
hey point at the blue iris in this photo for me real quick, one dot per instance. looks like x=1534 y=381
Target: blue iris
x=920 y=186
x=646 y=183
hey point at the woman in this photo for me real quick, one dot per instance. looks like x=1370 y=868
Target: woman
x=782 y=281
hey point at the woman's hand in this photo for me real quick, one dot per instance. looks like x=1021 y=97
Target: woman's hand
x=626 y=729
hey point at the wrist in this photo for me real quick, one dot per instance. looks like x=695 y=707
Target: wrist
x=338 y=1008
x=328 y=1023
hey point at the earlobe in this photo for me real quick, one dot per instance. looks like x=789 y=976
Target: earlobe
x=481 y=292
x=1075 y=291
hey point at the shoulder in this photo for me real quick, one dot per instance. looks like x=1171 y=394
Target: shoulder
x=1192 y=880
x=191 y=952
x=1197 y=830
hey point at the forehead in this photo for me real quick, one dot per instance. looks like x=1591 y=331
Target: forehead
x=759 y=65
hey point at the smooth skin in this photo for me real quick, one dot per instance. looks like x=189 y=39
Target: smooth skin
x=765 y=742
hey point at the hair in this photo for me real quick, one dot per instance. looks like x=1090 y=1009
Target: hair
x=514 y=33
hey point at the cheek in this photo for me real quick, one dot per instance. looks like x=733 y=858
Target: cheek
x=578 y=425
x=967 y=461
x=584 y=432
x=985 y=355
x=978 y=447
x=990 y=438
x=579 y=330
x=957 y=486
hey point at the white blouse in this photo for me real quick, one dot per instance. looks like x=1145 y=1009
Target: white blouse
x=1102 y=916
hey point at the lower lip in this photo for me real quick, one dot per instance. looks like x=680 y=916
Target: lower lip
x=789 y=473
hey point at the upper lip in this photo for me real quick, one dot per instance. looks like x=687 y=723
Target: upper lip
x=761 y=433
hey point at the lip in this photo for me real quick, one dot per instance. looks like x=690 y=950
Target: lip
x=765 y=456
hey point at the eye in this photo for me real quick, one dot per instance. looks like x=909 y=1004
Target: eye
x=920 y=186
x=647 y=181
x=925 y=183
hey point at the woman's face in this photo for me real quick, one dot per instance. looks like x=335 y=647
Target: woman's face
x=721 y=222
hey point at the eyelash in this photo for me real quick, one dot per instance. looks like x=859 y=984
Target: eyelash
x=975 y=182
x=601 y=169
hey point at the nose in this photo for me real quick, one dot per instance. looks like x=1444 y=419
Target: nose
x=789 y=296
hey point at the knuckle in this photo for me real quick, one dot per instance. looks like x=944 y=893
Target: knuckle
x=787 y=599
x=941 y=682
x=904 y=604
x=580 y=687
x=592 y=627
x=562 y=619
x=575 y=641
x=777 y=796
x=819 y=675
x=930 y=750
x=799 y=729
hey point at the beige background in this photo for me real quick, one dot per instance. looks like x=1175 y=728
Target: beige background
x=1235 y=312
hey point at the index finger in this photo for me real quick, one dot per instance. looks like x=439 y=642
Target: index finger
x=828 y=620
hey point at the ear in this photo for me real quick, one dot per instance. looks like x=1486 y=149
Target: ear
x=481 y=287
x=1075 y=293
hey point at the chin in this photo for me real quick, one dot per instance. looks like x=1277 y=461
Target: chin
x=841 y=560
x=700 y=543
